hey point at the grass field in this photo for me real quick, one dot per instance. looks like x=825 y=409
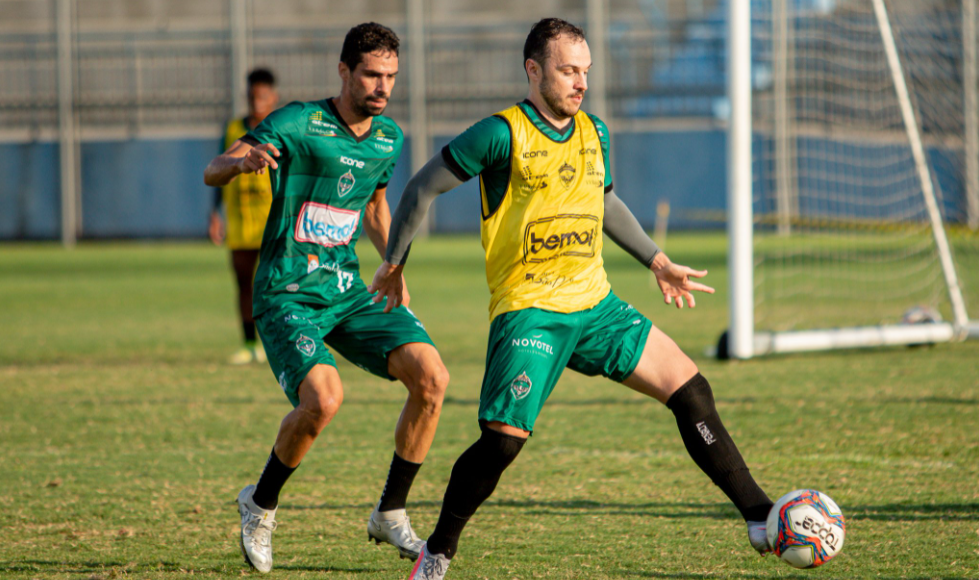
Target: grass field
x=124 y=437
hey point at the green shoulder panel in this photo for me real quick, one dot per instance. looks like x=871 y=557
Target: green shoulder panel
x=480 y=149
x=605 y=138
x=280 y=128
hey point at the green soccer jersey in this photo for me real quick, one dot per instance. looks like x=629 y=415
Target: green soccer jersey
x=484 y=150
x=325 y=178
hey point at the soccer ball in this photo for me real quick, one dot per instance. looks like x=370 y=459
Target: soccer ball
x=805 y=528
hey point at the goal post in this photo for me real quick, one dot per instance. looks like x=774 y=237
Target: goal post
x=850 y=168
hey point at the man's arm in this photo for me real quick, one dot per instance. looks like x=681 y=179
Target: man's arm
x=434 y=179
x=241 y=158
x=673 y=279
x=377 y=220
x=623 y=228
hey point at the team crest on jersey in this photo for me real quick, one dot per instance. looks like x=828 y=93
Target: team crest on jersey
x=520 y=386
x=566 y=173
x=306 y=345
x=346 y=183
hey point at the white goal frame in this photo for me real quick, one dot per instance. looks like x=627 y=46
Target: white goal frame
x=742 y=341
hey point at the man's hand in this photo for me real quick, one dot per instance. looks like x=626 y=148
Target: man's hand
x=389 y=282
x=675 y=283
x=215 y=229
x=258 y=158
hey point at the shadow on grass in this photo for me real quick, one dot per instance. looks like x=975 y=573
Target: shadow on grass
x=678 y=510
x=927 y=400
x=915 y=512
x=779 y=574
x=109 y=568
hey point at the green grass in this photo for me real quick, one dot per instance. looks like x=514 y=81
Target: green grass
x=124 y=438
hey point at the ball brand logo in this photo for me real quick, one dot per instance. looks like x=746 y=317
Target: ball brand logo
x=520 y=387
x=326 y=225
x=821 y=530
x=705 y=433
x=560 y=235
x=352 y=162
x=533 y=154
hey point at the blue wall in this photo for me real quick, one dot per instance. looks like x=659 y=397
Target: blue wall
x=155 y=189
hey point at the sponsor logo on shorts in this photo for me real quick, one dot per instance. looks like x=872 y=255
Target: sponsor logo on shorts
x=532 y=344
x=520 y=386
x=561 y=235
x=346 y=183
x=306 y=345
x=283 y=381
x=705 y=433
x=326 y=225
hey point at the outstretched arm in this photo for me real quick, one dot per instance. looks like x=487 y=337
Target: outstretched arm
x=674 y=280
x=241 y=158
x=434 y=179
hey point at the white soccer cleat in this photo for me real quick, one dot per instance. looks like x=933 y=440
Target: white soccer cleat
x=758 y=537
x=429 y=566
x=394 y=528
x=248 y=355
x=257 y=525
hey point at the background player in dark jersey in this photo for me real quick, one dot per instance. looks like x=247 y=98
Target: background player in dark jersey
x=546 y=201
x=246 y=201
x=330 y=164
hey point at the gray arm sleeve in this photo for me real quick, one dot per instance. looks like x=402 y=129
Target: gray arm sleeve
x=434 y=179
x=624 y=229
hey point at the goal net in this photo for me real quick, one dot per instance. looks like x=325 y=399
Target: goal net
x=864 y=146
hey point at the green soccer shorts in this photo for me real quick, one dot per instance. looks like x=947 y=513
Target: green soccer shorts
x=529 y=349
x=296 y=334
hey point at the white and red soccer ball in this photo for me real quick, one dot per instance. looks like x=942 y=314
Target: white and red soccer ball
x=806 y=528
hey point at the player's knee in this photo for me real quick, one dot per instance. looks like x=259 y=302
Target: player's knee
x=323 y=406
x=500 y=448
x=431 y=383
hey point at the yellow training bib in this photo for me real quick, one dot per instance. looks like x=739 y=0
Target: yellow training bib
x=247 y=200
x=544 y=242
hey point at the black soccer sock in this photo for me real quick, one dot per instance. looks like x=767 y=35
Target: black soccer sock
x=712 y=448
x=400 y=477
x=274 y=476
x=474 y=477
x=248 y=328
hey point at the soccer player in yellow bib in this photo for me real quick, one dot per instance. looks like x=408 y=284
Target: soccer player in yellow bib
x=547 y=201
x=246 y=201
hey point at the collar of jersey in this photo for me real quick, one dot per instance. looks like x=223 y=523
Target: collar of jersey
x=336 y=114
x=545 y=126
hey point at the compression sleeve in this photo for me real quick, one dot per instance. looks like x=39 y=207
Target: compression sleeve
x=624 y=229
x=434 y=179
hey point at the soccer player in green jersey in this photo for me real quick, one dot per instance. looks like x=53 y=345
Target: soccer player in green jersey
x=330 y=162
x=547 y=199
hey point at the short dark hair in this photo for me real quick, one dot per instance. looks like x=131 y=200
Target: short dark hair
x=543 y=31
x=367 y=38
x=261 y=76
